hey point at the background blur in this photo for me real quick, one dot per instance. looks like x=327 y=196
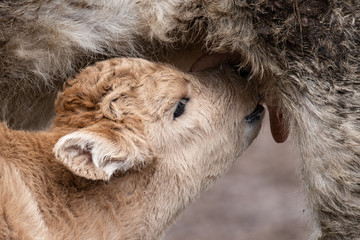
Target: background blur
x=260 y=198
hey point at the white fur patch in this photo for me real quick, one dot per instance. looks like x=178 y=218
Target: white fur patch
x=99 y=153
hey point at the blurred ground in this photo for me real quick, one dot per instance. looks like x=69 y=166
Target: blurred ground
x=260 y=198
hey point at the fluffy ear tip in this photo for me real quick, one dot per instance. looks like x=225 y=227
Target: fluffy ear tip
x=73 y=152
x=88 y=172
x=96 y=157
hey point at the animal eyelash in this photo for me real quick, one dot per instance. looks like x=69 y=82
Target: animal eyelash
x=180 y=107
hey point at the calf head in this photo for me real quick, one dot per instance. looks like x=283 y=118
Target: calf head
x=124 y=113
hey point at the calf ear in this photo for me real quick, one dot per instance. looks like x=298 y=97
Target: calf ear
x=97 y=152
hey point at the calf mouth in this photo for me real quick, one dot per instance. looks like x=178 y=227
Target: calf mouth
x=256 y=115
x=278 y=124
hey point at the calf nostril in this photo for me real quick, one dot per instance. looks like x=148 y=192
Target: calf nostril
x=255 y=115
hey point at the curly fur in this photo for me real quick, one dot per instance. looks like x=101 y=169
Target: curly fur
x=304 y=52
x=43 y=43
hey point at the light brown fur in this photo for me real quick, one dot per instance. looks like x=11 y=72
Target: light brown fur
x=115 y=163
x=305 y=53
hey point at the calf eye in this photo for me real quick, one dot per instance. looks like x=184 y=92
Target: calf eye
x=180 y=107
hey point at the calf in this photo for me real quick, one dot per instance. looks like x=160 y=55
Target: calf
x=131 y=145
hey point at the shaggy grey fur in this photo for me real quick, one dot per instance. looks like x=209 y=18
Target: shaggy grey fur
x=305 y=53
x=44 y=42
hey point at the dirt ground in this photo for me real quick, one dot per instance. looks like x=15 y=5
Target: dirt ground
x=260 y=198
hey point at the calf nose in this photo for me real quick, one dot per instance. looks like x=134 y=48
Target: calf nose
x=255 y=115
